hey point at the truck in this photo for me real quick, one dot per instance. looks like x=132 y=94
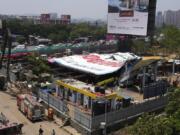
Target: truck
x=30 y=107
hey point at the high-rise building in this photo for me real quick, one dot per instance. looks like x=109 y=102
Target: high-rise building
x=45 y=18
x=178 y=18
x=169 y=17
x=53 y=16
x=159 y=19
x=65 y=19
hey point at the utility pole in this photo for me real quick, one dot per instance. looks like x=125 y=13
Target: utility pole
x=174 y=67
x=4 y=44
x=9 y=53
x=105 y=129
x=103 y=125
x=7 y=42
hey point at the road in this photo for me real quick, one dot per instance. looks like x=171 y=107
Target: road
x=9 y=108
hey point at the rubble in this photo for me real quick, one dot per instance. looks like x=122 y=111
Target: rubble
x=174 y=80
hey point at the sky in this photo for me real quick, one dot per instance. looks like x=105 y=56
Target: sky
x=95 y=9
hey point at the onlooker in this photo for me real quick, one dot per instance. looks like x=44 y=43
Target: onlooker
x=41 y=130
x=53 y=132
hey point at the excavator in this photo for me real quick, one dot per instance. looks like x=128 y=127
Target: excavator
x=6 y=44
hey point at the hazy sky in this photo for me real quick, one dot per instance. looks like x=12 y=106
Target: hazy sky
x=77 y=8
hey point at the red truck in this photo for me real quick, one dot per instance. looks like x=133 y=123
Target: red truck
x=30 y=107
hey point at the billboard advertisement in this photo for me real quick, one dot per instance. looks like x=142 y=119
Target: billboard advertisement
x=128 y=17
x=97 y=64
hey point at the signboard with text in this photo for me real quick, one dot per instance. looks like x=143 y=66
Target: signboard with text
x=128 y=17
x=97 y=64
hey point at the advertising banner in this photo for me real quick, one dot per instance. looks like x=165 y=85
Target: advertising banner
x=97 y=64
x=128 y=17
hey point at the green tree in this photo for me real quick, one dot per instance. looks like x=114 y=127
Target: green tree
x=39 y=65
x=58 y=33
x=169 y=124
x=139 y=47
x=100 y=33
x=21 y=39
x=61 y=36
x=174 y=102
x=171 y=38
x=173 y=110
x=151 y=125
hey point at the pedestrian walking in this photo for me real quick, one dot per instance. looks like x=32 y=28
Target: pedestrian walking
x=53 y=132
x=41 y=130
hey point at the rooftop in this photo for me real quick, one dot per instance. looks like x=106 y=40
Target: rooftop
x=86 y=89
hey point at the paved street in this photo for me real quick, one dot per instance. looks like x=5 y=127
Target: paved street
x=9 y=108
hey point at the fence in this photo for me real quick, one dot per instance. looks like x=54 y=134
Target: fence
x=62 y=107
x=51 y=101
x=127 y=113
x=155 y=89
x=83 y=119
x=93 y=123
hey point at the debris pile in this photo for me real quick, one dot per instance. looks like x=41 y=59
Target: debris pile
x=17 y=88
x=174 y=80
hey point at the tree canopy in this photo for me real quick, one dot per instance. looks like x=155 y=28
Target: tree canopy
x=57 y=33
x=167 y=124
x=151 y=125
x=39 y=66
x=166 y=41
x=171 y=38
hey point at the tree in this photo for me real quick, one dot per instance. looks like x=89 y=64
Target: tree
x=57 y=32
x=100 y=33
x=171 y=38
x=174 y=102
x=173 y=110
x=139 y=47
x=168 y=124
x=39 y=66
x=21 y=39
x=151 y=125
x=80 y=30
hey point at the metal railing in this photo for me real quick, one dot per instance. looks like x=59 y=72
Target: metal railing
x=61 y=106
x=82 y=118
x=130 y=112
x=93 y=123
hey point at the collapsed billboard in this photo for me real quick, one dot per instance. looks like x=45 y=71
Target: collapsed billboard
x=97 y=64
x=128 y=17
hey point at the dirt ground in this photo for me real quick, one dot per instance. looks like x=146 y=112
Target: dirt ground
x=9 y=109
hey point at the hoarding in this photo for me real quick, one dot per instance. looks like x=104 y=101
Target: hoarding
x=97 y=64
x=128 y=17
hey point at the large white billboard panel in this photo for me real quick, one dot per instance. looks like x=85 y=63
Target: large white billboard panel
x=128 y=17
x=97 y=64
